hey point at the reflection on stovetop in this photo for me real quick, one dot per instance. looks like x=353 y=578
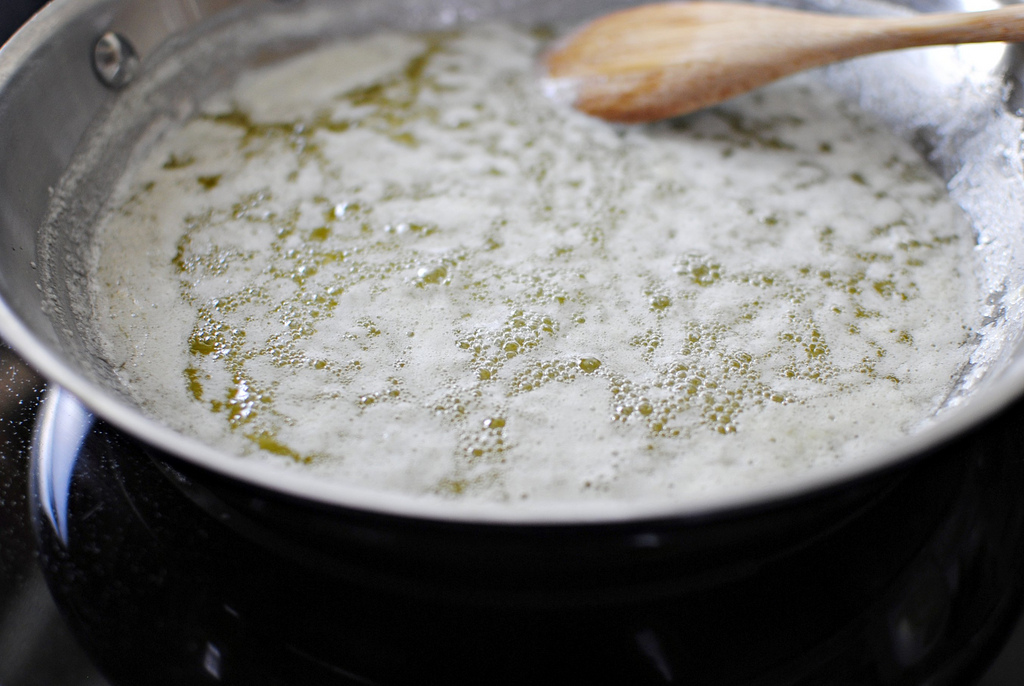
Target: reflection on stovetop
x=36 y=645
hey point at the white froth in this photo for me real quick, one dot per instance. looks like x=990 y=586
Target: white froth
x=394 y=263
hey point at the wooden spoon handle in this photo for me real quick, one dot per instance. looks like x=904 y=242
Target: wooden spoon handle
x=1005 y=25
x=821 y=39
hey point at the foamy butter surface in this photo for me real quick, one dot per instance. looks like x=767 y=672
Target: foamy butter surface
x=394 y=264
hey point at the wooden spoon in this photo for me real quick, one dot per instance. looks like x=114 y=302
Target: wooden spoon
x=663 y=60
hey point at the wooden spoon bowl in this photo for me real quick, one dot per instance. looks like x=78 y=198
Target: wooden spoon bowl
x=657 y=61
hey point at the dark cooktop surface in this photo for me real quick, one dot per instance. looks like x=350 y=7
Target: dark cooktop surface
x=37 y=647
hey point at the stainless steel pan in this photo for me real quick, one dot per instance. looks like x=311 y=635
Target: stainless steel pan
x=814 y=581
x=113 y=68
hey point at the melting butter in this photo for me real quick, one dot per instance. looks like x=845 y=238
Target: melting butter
x=393 y=262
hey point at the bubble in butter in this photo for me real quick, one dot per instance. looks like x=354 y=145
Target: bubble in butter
x=394 y=264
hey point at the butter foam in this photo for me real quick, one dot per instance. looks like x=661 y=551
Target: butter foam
x=393 y=263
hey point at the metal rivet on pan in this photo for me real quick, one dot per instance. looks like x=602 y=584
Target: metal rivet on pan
x=115 y=60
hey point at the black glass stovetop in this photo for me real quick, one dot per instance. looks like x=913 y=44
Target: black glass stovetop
x=37 y=610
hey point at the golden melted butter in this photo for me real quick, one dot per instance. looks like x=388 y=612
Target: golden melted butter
x=433 y=280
